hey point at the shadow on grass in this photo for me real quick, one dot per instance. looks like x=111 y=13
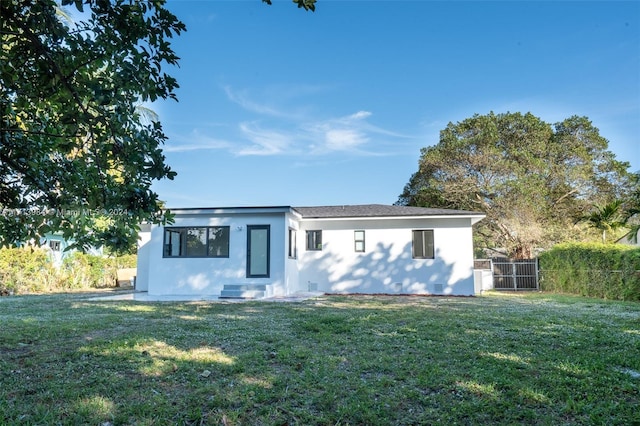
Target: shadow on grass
x=350 y=360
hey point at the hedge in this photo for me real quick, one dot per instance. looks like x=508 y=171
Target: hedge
x=608 y=271
x=30 y=270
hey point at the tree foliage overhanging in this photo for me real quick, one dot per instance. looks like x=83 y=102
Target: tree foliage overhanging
x=533 y=180
x=77 y=155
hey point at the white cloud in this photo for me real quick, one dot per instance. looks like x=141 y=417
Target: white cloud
x=197 y=142
x=241 y=98
x=359 y=115
x=344 y=139
x=265 y=142
x=293 y=130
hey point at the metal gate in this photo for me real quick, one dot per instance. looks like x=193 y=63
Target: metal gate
x=509 y=274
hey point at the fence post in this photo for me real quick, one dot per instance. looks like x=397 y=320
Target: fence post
x=514 y=271
x=537 y=275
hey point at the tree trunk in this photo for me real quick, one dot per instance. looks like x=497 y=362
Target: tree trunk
x=523 y=252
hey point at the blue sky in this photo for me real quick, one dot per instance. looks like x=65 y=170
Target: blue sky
x=284 y=107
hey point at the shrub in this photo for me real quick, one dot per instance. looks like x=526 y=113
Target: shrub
x=87 y=270
x=607 y=271
x=31 y=270
x=26 y=270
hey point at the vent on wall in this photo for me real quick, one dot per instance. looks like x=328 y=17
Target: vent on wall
x=438 y=288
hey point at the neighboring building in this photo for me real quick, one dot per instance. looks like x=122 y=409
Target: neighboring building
x=57 y=247
x=266 y=251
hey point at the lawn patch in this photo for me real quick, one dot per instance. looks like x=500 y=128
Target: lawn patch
x=500 y=359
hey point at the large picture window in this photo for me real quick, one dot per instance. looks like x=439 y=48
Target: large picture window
x=314 y=240
x=423 y=244
x=202 y=241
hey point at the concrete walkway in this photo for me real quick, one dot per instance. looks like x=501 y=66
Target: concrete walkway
x=143 y=296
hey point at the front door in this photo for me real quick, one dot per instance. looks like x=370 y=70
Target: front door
x=258 y=251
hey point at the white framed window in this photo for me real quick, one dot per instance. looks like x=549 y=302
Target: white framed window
x=314 y=240
x=422 y=247
x=358 y=237
x=293 y=245
x=197 y=241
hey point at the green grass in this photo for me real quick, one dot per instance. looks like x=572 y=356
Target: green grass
x=497 y=359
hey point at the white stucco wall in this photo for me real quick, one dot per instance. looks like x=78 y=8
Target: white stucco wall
x=387 y=265
x=207 y=276
x=291 y=271
x=142 y=272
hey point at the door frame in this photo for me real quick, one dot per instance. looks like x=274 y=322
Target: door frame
x=268 y=251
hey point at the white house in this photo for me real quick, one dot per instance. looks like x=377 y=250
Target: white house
x=270 y=251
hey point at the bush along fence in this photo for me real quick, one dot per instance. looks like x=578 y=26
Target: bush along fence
x=31 y=270
x=606 y=271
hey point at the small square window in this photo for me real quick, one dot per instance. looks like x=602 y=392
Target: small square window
x=423 y=244
x=359 y=241
x=54 y=245
x=314 y=240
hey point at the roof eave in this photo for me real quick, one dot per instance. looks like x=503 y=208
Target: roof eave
x=474 y=218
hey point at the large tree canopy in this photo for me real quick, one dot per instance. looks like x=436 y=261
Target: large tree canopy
x=533 y=180
x=76 y=154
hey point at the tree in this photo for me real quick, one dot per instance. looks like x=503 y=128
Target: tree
x=304 y=4
x=532 y=180
x=76 y=154
x=605 y=218
x=632 y=210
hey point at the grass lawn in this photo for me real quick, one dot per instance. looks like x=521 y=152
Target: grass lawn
x=497 y=359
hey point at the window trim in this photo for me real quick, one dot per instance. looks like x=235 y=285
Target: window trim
x=425 y=246
x=183 y=231
x=356 y=241
x=317 y=246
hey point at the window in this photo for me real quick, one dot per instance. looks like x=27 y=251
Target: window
x=293 y=248
x=209 y=241
x=54 y=245
x=314 y=240
x=359 y=241
x=423 y=244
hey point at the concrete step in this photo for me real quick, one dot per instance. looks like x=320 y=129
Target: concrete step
x=243 y=291
x=241 y=294
x=259 y=287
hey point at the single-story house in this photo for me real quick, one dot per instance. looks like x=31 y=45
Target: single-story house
x=273 y=251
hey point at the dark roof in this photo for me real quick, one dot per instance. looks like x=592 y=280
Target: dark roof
x=377 y=210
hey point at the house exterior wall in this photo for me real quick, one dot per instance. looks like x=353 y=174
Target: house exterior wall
x=143 y=258
x=207 y=276
x=291 y=265
x=387 y=265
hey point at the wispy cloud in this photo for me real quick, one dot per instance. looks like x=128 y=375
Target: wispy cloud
x=242 y=98
x=197 y=142
x=338 y=134
x=264 y=141
x=292 y=130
